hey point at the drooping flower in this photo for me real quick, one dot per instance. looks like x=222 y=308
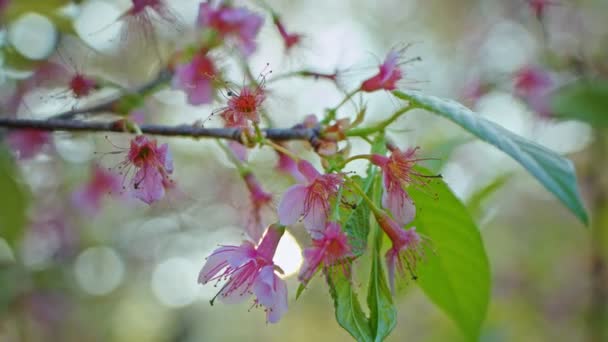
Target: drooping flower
x=539 y=7
x=234 y=23
x=140 y=6
x=141 y=23
x=261 y=206
x=331 y=249
x=311 y=200
x=153 y=166
x=248 y=269
x=387 y=76
x=89 y=196
x=195 y=78
x=289 y=39
x=243 y=107
x=406 y=249
x=397 y=174
x=27 y=143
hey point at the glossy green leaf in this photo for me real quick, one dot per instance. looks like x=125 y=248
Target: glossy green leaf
x=349 y=313
x=13 y=201
x=455 y=275
x=585 y=101
x=383 y=315
x=555 y=172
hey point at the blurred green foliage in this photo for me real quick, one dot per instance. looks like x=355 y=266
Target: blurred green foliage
x=13 y=200
x=584 y=100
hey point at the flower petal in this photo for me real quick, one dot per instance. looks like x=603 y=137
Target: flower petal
x=308 y=170
x=148 y=184
x=391 y=260
x=312 y=259
x=399 y=204
x=316 y=219
x=291 y=207
x=271 y=292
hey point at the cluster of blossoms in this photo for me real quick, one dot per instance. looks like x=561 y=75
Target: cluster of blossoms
x=313 y=200
x=146 y=168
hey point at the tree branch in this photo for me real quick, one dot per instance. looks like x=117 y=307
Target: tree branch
x=278 y=134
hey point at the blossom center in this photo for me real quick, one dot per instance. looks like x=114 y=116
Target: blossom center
x=81 y=86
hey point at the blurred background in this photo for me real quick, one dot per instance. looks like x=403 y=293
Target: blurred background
x=130 y=272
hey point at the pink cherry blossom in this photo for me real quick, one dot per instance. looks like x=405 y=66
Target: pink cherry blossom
x=397 y=174
x=535 y=85
x=89 y=196
x=229 y=22
x=141 y=23
x=310 y=200
x=248 y=269
x=387 y=76
x=153 y=166
x=289 y=39
x=539 y=7
x=406 y=249
x=196 y=79
x=531 y=80
x=261 y=206
x=27 y=143
x=331 y=249
x=243 y=107
x=48 y=75
x=75 y=82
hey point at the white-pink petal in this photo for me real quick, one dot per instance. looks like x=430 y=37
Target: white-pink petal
x=292 y=204
x=271 y=292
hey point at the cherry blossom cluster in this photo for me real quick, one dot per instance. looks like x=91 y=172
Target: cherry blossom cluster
x=146 y=168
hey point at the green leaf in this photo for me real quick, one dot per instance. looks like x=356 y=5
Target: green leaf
x=456 y=274
x=357 y=228
x=357 y=221
x=584 y=101
x=555 y=172
x=349 y=313
x=13 y=202
x=383 y=315
x=300 y=290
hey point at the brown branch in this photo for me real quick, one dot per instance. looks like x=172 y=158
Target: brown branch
x=278 y=134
